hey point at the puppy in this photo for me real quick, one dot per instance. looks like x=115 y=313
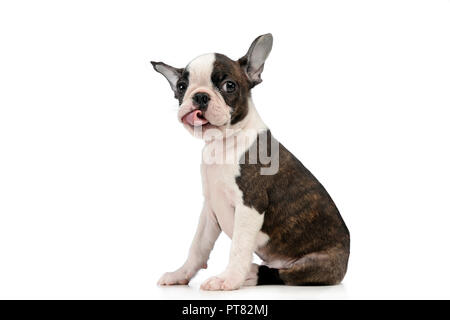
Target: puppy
x=254 y=189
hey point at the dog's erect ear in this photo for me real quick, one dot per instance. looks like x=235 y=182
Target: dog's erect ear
x=253 y=62
x=172 y=74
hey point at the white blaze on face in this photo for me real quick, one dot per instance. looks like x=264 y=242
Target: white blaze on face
x=200 y=70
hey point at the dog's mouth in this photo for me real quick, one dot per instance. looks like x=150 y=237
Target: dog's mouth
x=195 y=118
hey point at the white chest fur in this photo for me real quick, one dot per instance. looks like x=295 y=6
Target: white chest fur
x=221 y=192
x=220 y=167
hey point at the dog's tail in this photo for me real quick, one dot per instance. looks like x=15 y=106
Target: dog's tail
x=268 y=275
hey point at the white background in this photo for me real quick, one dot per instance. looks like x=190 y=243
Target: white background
x=100 y=185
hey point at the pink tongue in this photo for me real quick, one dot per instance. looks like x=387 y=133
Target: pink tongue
x=193 y=119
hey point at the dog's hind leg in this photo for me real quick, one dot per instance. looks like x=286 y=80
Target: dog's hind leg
x=320 y=268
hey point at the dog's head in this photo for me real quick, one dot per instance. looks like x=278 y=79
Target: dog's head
x=213 y=90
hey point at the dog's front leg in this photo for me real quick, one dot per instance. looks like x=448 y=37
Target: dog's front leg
x=247 y=224
x=206 y=235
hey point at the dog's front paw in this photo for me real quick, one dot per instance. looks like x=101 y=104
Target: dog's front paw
x=213 y=283
x=179 y=277
x=225 y=281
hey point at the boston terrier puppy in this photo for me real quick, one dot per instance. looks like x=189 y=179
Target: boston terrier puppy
x=254 y=189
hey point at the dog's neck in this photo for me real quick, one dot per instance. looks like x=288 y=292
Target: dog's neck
x=252 y=121
x=238 y=138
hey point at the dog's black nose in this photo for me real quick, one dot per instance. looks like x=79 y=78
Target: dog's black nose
x=201 y=100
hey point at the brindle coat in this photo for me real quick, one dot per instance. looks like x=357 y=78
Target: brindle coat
x=302 y=222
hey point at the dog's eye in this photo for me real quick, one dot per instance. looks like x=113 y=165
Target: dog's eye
x=181 y=86
x=229 y=86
